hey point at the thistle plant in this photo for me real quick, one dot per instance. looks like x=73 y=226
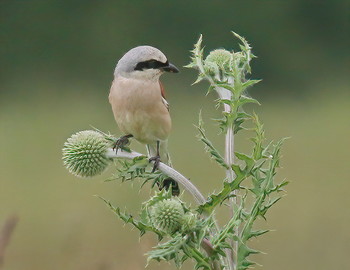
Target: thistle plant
x=249 y=188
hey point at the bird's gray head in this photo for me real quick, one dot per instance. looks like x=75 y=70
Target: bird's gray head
x=144 y=62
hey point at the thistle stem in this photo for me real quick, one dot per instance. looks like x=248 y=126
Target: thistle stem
x=208 y=248
x=229 y=138
x=229 y=152
x=229 y=159
x=230 y=175
x=178 y=177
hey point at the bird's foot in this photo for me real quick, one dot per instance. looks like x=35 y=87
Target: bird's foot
x=121 y=143
x=156 y=160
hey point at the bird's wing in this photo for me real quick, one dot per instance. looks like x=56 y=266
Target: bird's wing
x=162 y=91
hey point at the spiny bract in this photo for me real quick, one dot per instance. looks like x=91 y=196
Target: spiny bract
x=167 y=215
x=84 y=153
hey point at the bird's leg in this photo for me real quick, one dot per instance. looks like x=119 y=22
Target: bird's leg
x=121 y=142
x=167 y=183
x=156 y=159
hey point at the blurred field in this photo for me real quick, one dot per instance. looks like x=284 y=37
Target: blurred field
x=62 y=226
x=56 y=62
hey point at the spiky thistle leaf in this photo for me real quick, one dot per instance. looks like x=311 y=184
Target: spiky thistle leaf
x=209 y=147
x=142 y=225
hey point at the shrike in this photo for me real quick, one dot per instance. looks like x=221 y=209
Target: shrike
x=138 y=101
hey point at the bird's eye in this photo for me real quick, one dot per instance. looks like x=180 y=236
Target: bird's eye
x=153 y=64
x=150 y=64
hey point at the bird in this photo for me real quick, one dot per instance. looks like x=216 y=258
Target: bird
x=139 y=106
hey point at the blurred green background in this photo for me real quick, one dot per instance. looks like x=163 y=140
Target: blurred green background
x=57 y=60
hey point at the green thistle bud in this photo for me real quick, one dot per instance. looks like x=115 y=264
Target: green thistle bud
x=84 y=153
x=167 y=215
x=218 y=60
x=189 y=222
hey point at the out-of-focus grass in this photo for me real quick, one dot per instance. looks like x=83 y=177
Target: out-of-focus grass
x=62 y=226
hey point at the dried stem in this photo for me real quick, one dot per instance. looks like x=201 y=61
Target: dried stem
x=178 y=177
x=5 y=236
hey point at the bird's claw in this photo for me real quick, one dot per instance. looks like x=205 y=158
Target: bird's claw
x=120 y=143
x=156 y=160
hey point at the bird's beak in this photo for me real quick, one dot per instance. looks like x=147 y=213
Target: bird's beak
x=170 y=68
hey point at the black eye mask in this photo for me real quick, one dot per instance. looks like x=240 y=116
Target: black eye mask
x=150 y=64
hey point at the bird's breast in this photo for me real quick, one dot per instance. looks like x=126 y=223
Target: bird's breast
x=139 y=110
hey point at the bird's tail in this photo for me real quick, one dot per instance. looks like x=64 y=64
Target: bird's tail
x=165 y=158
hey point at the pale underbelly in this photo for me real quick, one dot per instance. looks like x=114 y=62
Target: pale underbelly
x=146 y=127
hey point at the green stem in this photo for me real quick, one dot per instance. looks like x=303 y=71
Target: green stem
x=197 y=255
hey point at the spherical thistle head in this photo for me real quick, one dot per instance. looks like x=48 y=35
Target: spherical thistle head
x=218 y=60
x=84 y=153
x=167 y=215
